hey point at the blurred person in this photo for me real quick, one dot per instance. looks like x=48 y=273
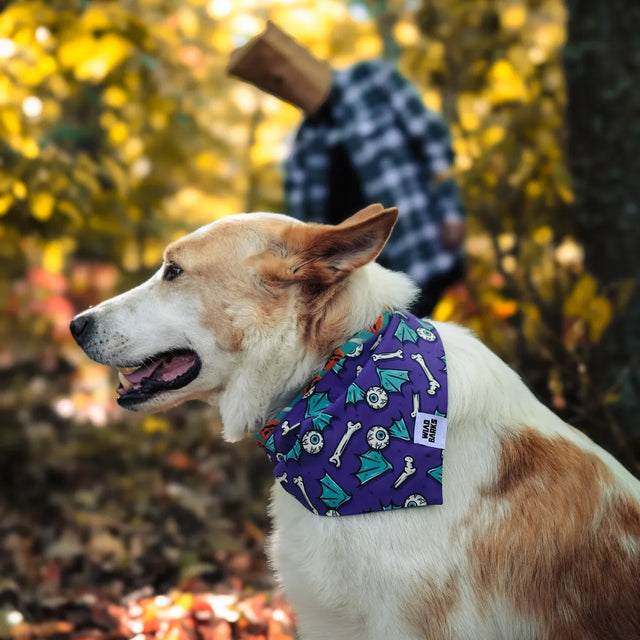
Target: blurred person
x=366 y=137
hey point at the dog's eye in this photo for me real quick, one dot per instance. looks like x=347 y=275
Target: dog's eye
x=171 y=271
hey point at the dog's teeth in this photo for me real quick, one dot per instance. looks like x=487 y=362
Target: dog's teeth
x=123 y=381
x=127 y=370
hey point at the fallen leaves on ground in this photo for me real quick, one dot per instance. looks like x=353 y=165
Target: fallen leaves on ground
x=178 y=615
x=130 y=532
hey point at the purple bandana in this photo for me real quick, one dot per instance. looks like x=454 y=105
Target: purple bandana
x=368 y=432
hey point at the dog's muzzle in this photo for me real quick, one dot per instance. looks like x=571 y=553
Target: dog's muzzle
x=143 y=379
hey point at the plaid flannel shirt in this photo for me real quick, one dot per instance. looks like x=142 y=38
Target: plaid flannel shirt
x=402 y=152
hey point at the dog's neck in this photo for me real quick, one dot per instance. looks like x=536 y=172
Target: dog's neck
x=275 y=367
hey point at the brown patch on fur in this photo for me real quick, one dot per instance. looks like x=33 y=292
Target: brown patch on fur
x=216 y=271
x=245 y=268
x=428 y=606
x=323 y=256
x=322 y=309
x=317 y=259
x=567 y=552
x=323 y=319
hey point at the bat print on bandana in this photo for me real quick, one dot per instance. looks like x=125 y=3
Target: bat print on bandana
x=367 y=433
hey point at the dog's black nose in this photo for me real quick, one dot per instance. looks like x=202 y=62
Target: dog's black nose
x=78 y=326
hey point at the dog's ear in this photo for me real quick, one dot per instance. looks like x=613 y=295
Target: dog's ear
x=324 y=254
x=363 y=214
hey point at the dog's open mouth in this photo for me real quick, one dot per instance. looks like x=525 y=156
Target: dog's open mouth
x=163 y=372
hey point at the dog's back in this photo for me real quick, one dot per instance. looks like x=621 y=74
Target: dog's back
x=561 y=548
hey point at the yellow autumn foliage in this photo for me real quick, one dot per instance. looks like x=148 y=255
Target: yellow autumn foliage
x=142 y=136
x=93 y=58
x=585 y=304
x=6 y=200
x=505 y=84
x=42 y=203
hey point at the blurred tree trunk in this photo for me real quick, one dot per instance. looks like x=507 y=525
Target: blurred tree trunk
x=602 y=62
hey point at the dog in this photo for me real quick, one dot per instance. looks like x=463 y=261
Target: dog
x=538 y=533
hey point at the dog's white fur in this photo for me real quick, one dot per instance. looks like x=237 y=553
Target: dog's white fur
x=512 y=469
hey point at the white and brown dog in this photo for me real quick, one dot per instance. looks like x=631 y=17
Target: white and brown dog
x=539 y=533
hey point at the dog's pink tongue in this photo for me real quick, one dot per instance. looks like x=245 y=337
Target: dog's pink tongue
x=168 y=369
x=143 y=372
x=174 y=367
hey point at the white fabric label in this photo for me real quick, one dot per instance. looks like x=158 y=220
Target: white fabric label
x=430 y=430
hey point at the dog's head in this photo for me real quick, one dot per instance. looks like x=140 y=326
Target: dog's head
x=241 y=312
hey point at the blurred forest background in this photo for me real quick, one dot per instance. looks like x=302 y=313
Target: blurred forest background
x=119 y=131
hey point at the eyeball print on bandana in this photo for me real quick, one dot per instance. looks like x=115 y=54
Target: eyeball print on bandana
x=367 y=433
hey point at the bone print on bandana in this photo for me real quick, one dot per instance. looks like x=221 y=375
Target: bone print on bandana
x=367 y=433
